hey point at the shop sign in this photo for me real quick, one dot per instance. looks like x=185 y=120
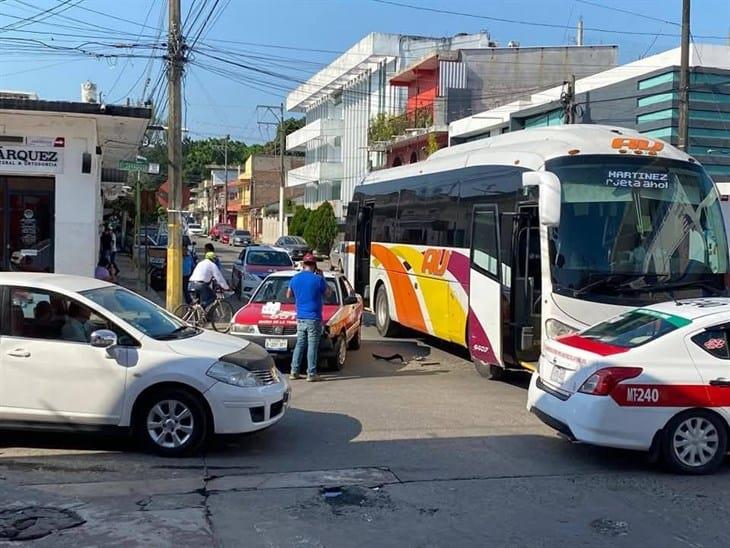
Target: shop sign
x=31 y=159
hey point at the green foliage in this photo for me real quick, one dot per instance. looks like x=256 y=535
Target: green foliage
x=386 y=126
x=298 y=222
x=321 y=228
x=431 y=144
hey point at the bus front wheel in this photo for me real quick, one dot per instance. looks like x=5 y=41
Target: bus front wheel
x=386 y=326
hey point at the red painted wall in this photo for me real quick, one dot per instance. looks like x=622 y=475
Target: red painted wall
x=422 y=91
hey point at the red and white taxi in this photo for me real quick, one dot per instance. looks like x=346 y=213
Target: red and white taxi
x=269 y=319
x=653 y=379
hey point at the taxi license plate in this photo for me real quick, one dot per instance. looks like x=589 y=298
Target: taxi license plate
x=558 y=374
x=275 y=344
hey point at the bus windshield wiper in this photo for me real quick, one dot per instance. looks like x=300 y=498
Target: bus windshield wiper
x=681 y=284
x=612 y=281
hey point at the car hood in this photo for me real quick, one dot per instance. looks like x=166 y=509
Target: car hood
x=208 y=344
x=276 y=314
x=265 y=270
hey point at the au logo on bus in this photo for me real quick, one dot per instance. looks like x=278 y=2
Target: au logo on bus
x=624 y=144
x=435 y=261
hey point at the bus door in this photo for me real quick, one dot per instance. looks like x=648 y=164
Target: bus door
x=526 y=291
x=484 y=327
x=363 y=234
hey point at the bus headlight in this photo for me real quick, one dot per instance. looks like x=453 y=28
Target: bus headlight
x=555 y=329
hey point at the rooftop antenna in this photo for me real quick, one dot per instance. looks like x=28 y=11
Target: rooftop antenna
x=579 y=32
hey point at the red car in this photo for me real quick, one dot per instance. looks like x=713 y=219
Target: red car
x=224 y=234
x=269 y=319
x=215 y=232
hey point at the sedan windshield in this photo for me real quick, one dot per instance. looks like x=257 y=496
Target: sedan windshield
x=274 y=290
x=635 y=328
x=628 y=218
x=268 y=258
x=151 y=320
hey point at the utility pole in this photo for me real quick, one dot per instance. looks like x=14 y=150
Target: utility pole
x=225 y=177
x=683 y=142
x=175 y=61
x=567 y=99
x=282 y=184
x=137 y=234
x=282 y=147
x=579 y=32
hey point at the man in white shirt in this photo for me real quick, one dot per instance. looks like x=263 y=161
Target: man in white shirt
x=202 y=277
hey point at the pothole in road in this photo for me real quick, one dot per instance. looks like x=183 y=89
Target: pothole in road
x=34 y=522
x=340 y=499
x=610 y=527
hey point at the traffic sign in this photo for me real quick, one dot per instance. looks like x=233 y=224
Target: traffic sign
x=145 y=167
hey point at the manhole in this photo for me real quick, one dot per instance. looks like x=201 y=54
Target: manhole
x=34 y=522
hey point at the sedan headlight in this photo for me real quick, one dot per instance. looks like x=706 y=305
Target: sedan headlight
x=241 y=329
x=232 y=374
x=555 y=329
x=251 y=277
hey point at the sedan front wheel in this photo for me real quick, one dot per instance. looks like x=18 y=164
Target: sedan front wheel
x=172 y=423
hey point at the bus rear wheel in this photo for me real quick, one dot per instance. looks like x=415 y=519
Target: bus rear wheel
x=386 y=326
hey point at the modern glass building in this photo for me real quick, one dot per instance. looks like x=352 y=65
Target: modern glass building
x=642 y=95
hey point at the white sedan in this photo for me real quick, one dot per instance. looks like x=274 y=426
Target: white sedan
x=84 y=354
x=653 y=379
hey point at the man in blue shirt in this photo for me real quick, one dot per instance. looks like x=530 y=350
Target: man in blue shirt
x=308 y=289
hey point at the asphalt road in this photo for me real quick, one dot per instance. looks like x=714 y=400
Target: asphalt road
x=420 y=453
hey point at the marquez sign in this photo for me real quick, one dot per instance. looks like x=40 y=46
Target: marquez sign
x=31 y=159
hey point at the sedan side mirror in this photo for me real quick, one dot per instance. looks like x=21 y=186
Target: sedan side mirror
x=238 y=262
x=103 y=338
x=350 y=299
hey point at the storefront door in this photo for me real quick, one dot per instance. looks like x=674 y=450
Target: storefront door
x=26 y=229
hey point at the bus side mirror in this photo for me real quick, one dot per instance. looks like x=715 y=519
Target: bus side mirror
x=549 y=200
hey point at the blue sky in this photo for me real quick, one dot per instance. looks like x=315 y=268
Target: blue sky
x=217 y=105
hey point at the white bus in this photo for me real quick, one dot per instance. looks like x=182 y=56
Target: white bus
x=502 y=243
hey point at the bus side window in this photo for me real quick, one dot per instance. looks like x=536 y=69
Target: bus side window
x=485 y=248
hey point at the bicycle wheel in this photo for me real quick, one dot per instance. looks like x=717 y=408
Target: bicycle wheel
x=191 y=314
x=220 y=314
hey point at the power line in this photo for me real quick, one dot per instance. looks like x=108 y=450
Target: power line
x=628 y=12
x=531 y=23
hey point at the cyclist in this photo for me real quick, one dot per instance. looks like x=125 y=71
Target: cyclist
x=201 y=280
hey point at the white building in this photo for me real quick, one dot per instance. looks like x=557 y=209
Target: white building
x=341 y=100
x=56 y=159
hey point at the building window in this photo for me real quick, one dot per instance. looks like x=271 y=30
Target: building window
x=709 y=97
x=552 y=118
x=658 y=98
x=666 y=78
x=717 y=171
x=709 y=115
x=336 y=190
x=710 y=133
x=338 y=141
x=397 y=161
x=709 y=151
x=414 y=157
x=661 y=133
x=665 y=114
x=700 y=78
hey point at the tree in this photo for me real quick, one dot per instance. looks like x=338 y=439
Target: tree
x=321 y=228
x=299 y=221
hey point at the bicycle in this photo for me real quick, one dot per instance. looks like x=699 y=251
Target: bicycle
x=219 y=313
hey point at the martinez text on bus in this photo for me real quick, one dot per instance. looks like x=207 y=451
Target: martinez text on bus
x=502 y=243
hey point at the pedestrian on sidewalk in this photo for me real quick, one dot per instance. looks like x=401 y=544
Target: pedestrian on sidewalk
x=187 y=270
x=308 y=289
x=105 y=244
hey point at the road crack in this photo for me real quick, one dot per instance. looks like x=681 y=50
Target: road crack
x=205 y=494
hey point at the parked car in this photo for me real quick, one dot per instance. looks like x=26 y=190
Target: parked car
x=295 y=245
x=79 y=351
x=652 y=379
x=224 y=235
x=337 y=256
x=158 y=260
x=195 y=229
x=253 y=265
x=269 y=319
x=240 y=238
x=216 y=230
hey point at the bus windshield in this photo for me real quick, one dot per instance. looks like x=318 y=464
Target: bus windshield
x=628 y=224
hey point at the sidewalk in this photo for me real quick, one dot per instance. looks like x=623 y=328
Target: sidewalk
x=128 y=278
